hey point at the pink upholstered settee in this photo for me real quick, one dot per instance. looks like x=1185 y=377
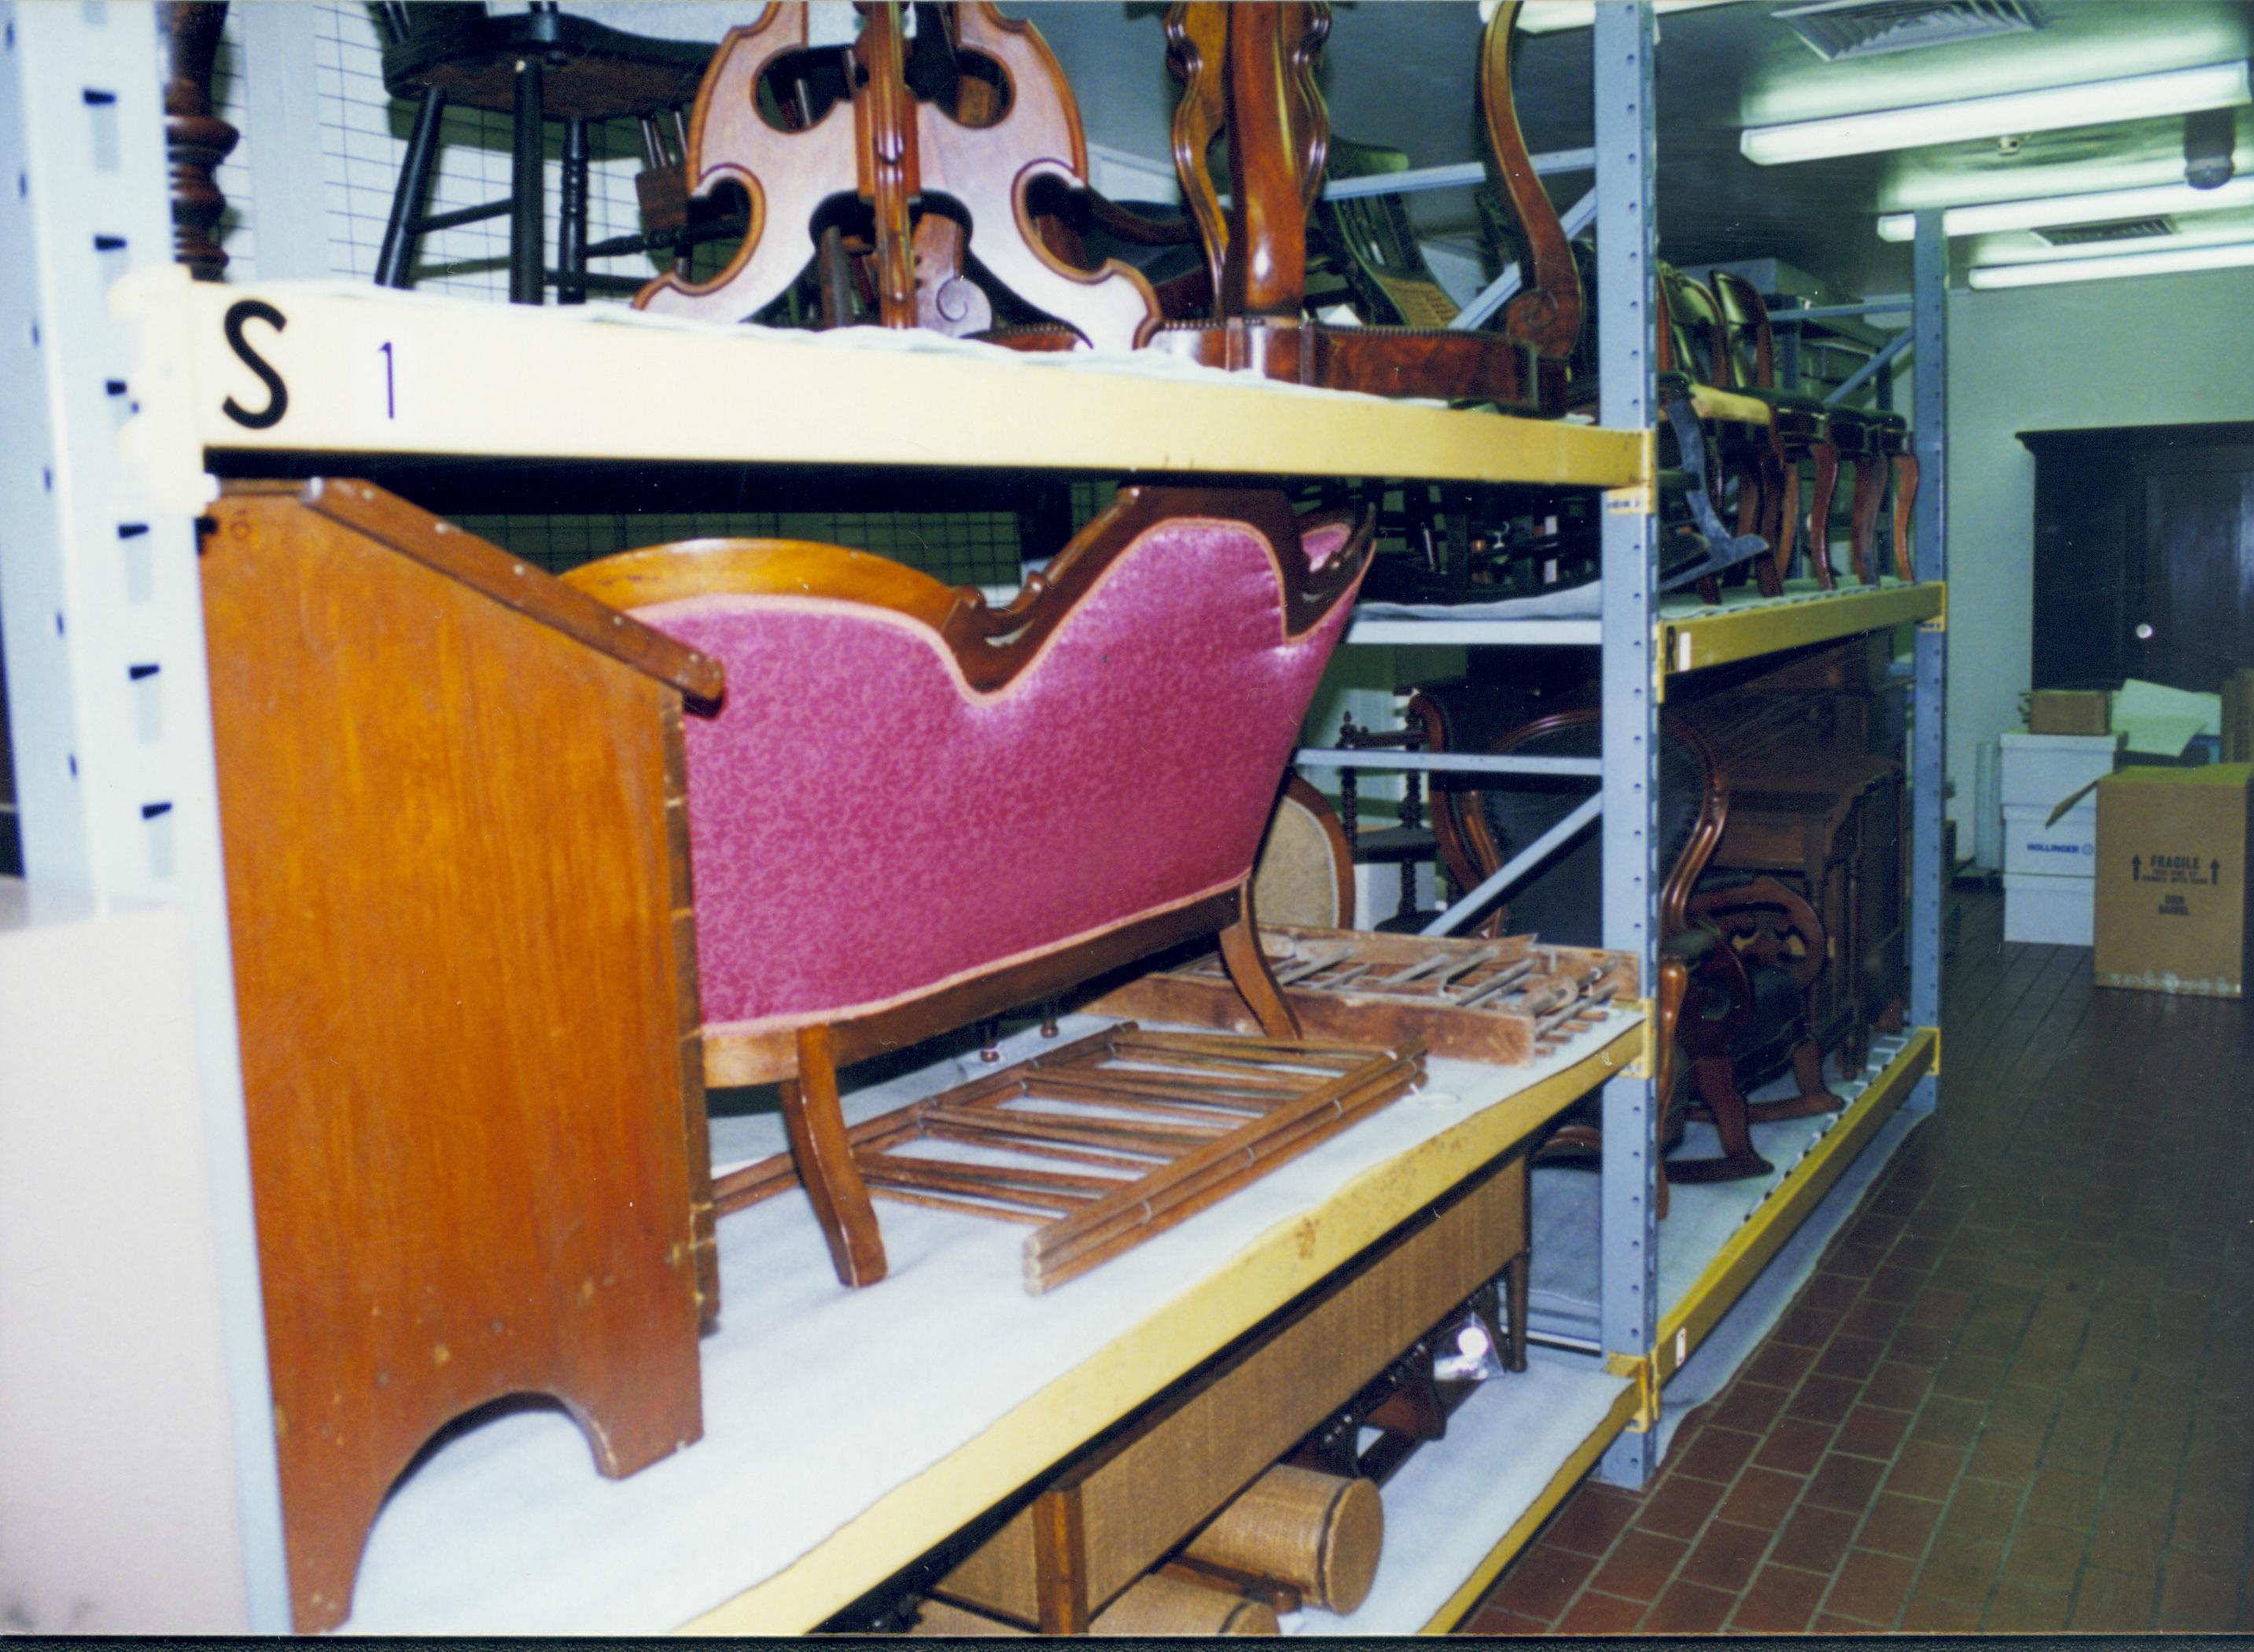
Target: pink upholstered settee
x=911 y=811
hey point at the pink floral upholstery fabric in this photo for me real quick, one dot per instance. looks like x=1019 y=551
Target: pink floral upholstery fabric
x=866 y=827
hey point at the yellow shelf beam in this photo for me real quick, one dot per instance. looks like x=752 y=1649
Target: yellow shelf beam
x=1747 y=627
x=322 y=368
x=928 y=1509
x=1778 y=1217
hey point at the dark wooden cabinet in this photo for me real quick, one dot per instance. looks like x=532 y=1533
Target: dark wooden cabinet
x=2144 y=554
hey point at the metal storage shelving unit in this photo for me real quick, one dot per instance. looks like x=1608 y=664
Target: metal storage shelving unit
x=104 y=638
x=1646 y=639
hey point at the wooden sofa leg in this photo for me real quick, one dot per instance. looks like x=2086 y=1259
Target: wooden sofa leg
x=1814 y=1098
x=1718 y=1087
x=1248 y=968
x=824 y=1157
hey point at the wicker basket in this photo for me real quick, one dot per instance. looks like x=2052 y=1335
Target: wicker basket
x=1320 y=1533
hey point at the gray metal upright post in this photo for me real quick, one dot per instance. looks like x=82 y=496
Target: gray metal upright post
x=1628 y=1307
x=1928 y=878
x=100 y=598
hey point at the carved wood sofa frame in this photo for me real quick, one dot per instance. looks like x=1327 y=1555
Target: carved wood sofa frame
x=1695 y=929
x=990 y=654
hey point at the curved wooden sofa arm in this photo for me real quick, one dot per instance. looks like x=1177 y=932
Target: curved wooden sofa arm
x=1764 y=892
x=1319 y=559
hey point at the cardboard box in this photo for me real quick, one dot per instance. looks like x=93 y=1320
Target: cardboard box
x=2050 y=912
x=2069 y=712
x=2034 y=845
x=2044 y=770
x=2172 y=895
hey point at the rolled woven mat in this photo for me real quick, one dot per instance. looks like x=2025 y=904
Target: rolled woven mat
x=1155 y=1606
x=1162 y=1605
x=1320 y=1533
x=945 y=1619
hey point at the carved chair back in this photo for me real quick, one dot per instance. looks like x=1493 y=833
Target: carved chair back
x=888 y=148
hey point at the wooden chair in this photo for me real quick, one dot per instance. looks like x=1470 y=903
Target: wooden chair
x=1693 y=349
x=1806 y=427
x=1074 y=810
x=1696 y=453
x=1248 y=75
x=1749 y=948
x=1305 y=872
x=894 y=152
x=534 y=66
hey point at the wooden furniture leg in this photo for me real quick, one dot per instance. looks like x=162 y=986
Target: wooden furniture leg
x=1667 y=1010
x=1863 y=529
x=1718 y=1089
x=816 y=1123
x=1517 y=1278
x=1814 y=1098
x=1787 y=522
x=196 y=140
x=1060 y=1561
x=1819 y=512
x=1906 y=476
x=1758 y=489
x=1248 y=968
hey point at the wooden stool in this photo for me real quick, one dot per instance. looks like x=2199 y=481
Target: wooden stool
x=534 y=66
x=470 y=1068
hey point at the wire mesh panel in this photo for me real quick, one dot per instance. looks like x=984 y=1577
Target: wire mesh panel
x=364 y=139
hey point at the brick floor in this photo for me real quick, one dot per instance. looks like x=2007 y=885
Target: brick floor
x=2016 y=1396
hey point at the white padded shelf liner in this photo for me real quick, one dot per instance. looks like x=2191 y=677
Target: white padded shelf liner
x=818 y=1401
x=1700 y=1218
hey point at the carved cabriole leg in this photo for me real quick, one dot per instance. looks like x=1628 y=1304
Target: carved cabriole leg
x=1819 y=512
x=1787 y=520
x=1863 y=516
x=1757 y=491
x=816 y=1126
x=1718 y=1087
x=1247 y=968
x=1906 y=474
x=1814 y=1098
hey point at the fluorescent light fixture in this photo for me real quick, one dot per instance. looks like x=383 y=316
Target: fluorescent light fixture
x=2170 y=262
x=1549 y=17
x=2160 y=201
x=2212 y=86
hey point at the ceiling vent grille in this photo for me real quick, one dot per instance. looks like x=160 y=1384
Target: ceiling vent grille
x=1837 y=29
x=2115 y=230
